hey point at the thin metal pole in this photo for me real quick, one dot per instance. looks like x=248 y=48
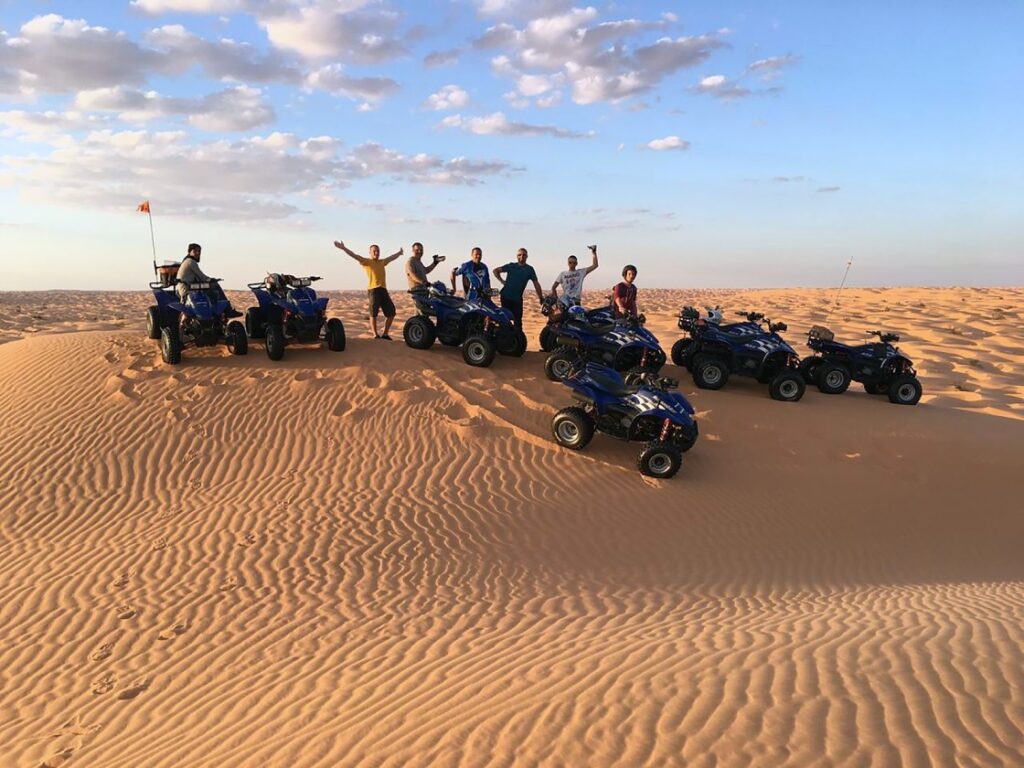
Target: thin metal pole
x=835 y=304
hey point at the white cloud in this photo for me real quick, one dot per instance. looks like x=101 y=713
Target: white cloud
x=668 y=143
x=442 y=58
x=770 y=68
x=549 y=101
x=497 y=124
x=188 y=6
x=449 y=97
x=333 y=80
x=233 y=109
x=721 y=87
x=342 y=29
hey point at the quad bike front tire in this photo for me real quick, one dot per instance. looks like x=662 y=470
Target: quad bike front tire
x=170 y=345
x=548 y=339
x=512 y=344
x=559 y=363
x=478 y=351
x=679 y=353
x=274 y=341
x=238 y=341
x=787 y=386
x=419 y=332
x=660 y=460
x=710 y=372
x=809 y=368
x=905 y=390
x=335 y=335
x=153 y=322
x=254 y=322
x=832 y=378
x=572 y=428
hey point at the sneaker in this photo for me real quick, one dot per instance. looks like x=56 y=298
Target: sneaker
x=385 y=336
x=232 y=313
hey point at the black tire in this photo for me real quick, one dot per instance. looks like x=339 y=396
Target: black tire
x=548 y=339
x=419 y=332
x=512 y=344
x=238 y=342
x=478 y=351
x=832 y=378
x=809 y=367
x=876 y=388
x=254 y=323
x=274 y=341
x=787 y=386
x=335 y=335
x=153 y=323
x=710 y=372
x=660 y=460
x=170 y=345
x=679 y=352
x=905 y=390
x=572 y=428
x=557 y=364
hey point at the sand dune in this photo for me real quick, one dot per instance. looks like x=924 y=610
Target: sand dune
x=379 y=557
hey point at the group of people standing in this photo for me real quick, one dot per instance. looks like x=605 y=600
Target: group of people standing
x=476 y=280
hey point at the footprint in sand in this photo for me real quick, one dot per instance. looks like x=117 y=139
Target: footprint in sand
x=159 y=544
x=248 y=540
x=172 y=632
x=195 y=485
x=373 y=380
x=122 y=581
x=228 y=584
x=103 y=652
x=135 y=689
x=105 y=684
x=126 y=611
x=111 y=357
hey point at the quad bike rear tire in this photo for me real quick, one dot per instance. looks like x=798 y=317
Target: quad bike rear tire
x=905 y=390
x=238 y=341
x=274 y=341
x=478 y=351
x=170 y=345
x=558 y=363
x=335 y=335
x=787 y=386
x=548 y=339
x=710 y=372
x=254 y=322
x=679 y=353
x=419 y=332
x=153 y=322
x=832 y=378
x=660 y=460
x=512 y=344
x=572 y=428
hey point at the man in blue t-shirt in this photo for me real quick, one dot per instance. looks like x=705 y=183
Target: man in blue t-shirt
x=475 y=278
x=517 y=275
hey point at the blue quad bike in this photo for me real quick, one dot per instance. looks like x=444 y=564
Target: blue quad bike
x=713 y=351
x=478 y=325
x=879 y=366
x=200 y=320
x=639 y=407
x=556 y=313
x=290 y=312
x=623 y=344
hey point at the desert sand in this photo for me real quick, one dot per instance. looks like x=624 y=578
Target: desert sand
x=379 y=557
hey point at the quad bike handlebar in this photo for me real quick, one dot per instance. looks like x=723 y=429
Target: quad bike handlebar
x=775 y=327
x=752 y=317
x=885 y=336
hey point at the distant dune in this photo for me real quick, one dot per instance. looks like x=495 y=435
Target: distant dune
x=379 y=557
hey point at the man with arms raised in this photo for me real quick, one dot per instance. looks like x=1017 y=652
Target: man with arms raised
x=571 y=280
x=377 y=291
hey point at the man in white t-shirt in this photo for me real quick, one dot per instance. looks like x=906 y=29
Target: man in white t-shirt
x=571 y=280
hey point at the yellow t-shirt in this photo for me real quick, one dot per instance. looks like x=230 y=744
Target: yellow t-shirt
x=375 y=271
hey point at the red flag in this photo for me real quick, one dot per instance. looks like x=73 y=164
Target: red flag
x=143 y=207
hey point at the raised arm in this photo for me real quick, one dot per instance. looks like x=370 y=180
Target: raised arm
x=356 y=256
x=454 y=273
x=593 y=261
x=395 y=255
x=434 y=262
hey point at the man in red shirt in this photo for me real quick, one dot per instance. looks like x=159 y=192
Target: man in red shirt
x=624 y=294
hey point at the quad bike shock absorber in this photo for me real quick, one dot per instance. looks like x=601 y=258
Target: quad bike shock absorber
x=666 y=427
x=643 y=358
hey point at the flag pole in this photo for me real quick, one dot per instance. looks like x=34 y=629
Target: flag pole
x=152 y=237
x=835 y=303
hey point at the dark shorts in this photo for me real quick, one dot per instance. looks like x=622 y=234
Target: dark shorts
x=380 y=301
x=515 y=306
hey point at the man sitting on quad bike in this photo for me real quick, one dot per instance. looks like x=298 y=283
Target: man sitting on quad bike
x=189 y=272
x=415 y=272
x=476 y=281
x=571 y=280
x=624 y=294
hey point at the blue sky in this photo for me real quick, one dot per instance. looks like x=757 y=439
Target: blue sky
x=716 y=144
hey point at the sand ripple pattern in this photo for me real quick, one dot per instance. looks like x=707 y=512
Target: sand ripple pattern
x=382 y=560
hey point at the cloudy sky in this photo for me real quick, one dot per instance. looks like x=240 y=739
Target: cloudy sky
x=711 y=144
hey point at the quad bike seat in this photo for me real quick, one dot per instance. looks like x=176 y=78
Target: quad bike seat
x=613 y=386
x=595 y=327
